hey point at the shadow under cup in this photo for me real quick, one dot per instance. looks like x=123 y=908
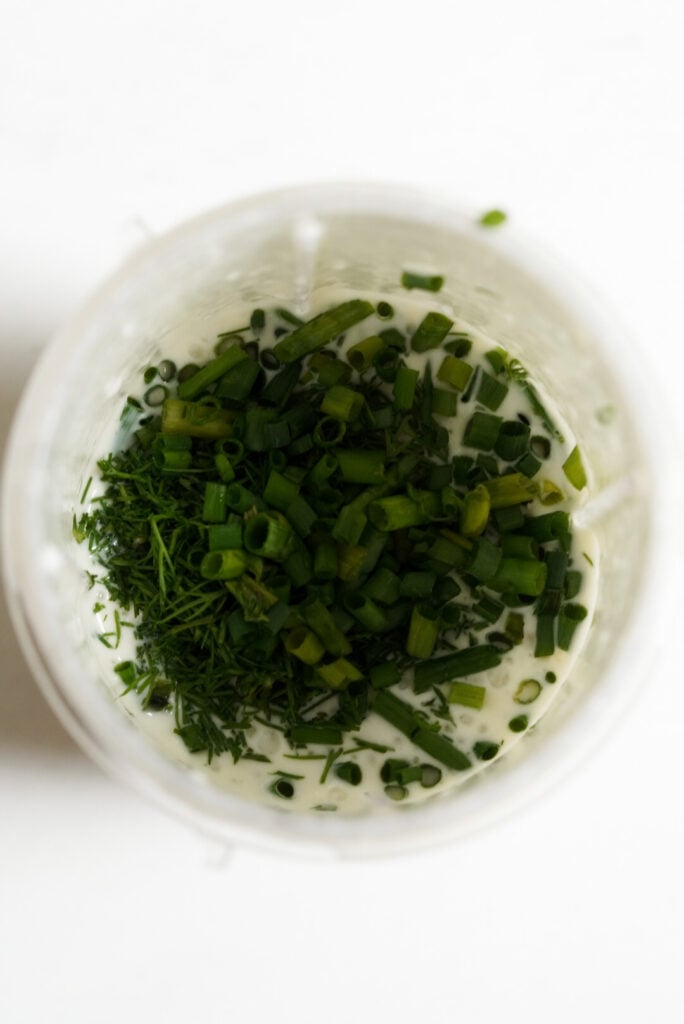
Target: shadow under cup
x=281 y=249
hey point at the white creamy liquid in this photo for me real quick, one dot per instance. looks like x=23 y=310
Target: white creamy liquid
x=253 y=779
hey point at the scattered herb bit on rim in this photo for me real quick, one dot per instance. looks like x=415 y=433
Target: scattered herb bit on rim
x=492 y=218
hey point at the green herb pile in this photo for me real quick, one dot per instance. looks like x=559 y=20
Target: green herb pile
x=292 y=534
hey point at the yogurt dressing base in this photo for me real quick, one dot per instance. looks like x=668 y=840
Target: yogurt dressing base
x=252 y=779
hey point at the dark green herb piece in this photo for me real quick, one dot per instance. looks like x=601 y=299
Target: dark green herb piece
x=426 y=282
x=492 y=218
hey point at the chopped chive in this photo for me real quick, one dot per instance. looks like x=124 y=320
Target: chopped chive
x=455 y=372
x=193 y=419
x=513 y=440
x=574 y=469
x=466 y=694
x=227 y=535
x=518 y=576
x=405 y=387
x=491 y=392
x=283 y=788
x=210 y=372
x=430 y=775
x=395 y=513
x=305 y=645
x=237 y=383
x=342 y=403
x=338 y=674
x=319 y=619
x=240 y=499
x=329 y=431
x=385 y=674
x=467 y=662
x=475 y=514
x=485 y=751
x=349 y=525
x=383 y=586
x=510 y=490
x=323 y=328
x=215 y=498
x=269 y=535
x=426 y=282
x=519 y=723
x=366 y=611
x=568 y=620
x=362 y=355
x=444 y=403
x=403 y=717
x=482 y=430
x=527 y=691
x=431 y=332
x=327 y=735
x=349 y=771
x=547 y=527
x=223 y=565
x=423 y=631
x=361 y=466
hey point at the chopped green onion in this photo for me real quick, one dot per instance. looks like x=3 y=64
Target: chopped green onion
x=227 y=535
x=403 y=717
x=475 y=514
x=513 y=440
x=405 y=387
x=215 y=498
x=431 y=332
x=527 y=691
x=366 y=611
x=361 y=466
x=338 y=674
x=193 y=419
x=323 y=328
x=574 y=469
x=466 y=694
x=362 y=354
x=327 y=735
x=426 y=282
x=510 y=490
x=455 y=372
x=348 y=771
x=519 y=723
x=210 y=372
x=518 y=576
x=467 y=662
x=269 y=535
x=305 y=646
x=568 y=620
x=385 y=674
x=444 y=403
x=423 y=631
x=342 y=403
x=395 y=513
x=319 y=619
x=491 y=392
x=481 y=431
x=485 y=751
x=223 y=565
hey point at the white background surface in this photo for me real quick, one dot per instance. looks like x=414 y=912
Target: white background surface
x=116 y=122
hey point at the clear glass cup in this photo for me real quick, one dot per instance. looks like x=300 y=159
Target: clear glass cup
x=282 y=248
